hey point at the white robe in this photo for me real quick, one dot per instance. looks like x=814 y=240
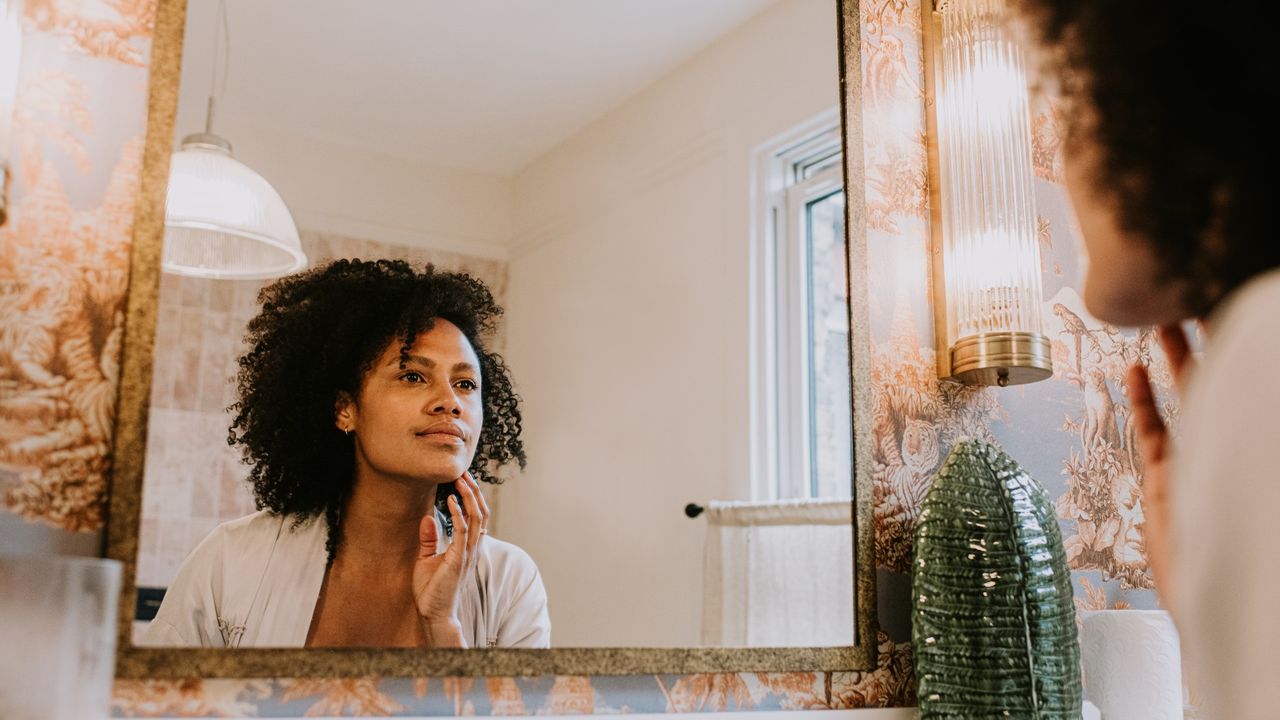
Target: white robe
x=1225 y=501
x=254 y=582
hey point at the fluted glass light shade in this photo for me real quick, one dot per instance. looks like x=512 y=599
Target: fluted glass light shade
x=223 y=220
x=990 y=251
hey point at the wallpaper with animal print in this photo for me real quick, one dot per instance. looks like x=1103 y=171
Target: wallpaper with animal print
x=79 y=120
x=62 y=263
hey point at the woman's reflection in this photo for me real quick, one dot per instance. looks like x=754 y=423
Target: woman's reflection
x=368 y=409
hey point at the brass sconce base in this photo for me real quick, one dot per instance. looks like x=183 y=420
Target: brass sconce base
x=1011 y=358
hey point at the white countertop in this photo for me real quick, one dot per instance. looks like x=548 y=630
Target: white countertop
x=883 y=714
x=1090 y=713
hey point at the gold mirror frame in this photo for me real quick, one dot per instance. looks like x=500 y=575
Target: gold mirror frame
x=125 y=504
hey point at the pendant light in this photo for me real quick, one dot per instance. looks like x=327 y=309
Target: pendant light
x=222 y=219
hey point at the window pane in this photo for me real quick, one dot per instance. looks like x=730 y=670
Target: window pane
x=818 y=163
x=831 y=429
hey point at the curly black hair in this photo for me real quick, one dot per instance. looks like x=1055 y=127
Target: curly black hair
x=1180 y=91
x=317 y=335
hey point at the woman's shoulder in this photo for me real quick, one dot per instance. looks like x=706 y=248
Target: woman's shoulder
x=1254 y=306
x=516 y=597
x=250 y=531
x=1233 y=378
x=508 y=559
x=1243 y=347
x=1228 y=408
x=247 y=528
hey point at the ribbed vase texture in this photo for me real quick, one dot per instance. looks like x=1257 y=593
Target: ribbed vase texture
x=994 y=624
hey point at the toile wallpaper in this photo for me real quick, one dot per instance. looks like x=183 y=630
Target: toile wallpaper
x=63 y=255
x=79 y=119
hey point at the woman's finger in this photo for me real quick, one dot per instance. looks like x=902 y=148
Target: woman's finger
x=1152 y=434
x=1173 y=340
x=484 y=504
x=475 y=521
x=459 y=545
x=428 y=542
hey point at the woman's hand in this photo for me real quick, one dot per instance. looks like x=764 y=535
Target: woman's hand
x=438 y=577
x=1155 y=444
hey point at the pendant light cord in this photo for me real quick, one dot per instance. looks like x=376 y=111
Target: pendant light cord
x=214 y=89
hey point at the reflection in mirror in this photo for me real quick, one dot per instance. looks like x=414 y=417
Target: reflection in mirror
x=621 y=228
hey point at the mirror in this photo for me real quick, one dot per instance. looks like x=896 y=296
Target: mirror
x=653 y=191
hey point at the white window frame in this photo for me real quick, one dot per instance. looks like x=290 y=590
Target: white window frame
x=782 y=439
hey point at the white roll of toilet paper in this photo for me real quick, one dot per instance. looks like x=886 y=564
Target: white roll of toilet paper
x=1132 y=664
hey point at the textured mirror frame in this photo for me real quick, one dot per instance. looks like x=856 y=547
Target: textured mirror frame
x=124 y=511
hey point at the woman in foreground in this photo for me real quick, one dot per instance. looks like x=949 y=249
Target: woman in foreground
x=1168 y=161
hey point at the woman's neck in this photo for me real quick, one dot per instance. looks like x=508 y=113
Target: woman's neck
x=381 y=518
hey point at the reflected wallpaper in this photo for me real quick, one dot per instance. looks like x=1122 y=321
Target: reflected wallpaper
x=62 y=279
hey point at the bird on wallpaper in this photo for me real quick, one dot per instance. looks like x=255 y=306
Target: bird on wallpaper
x=1074 y=326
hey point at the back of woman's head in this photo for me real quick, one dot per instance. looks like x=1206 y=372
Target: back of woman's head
x=318 y=333
x=1174 y=96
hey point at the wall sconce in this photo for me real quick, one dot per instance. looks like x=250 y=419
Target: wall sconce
x=986 y=256
x=10 y=54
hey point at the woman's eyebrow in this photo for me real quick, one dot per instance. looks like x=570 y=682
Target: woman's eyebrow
x=430 y=364
x=422 y=360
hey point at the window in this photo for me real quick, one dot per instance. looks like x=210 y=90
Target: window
x=802 y=422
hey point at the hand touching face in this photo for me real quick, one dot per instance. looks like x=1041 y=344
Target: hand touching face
x=438 y=577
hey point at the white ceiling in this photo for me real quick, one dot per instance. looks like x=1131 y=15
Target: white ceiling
x=484 y=85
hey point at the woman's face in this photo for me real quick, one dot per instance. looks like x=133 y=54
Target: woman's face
x=1123 y=284
x=421 y=422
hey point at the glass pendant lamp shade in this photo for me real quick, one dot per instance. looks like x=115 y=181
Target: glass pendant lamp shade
x=223 y=220
x=990 y=249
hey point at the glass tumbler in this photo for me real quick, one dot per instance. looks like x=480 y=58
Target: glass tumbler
x=57 y=636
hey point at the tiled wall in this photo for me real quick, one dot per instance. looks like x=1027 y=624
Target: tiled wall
x=193 y=480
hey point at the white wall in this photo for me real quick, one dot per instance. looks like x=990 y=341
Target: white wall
x=333 y=185
x=629 y=327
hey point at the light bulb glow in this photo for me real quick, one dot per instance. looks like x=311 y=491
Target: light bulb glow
x=992 y=252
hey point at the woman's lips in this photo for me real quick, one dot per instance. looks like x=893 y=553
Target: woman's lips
x=444 y=438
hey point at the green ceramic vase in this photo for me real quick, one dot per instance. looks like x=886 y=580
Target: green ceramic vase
x=993 y=623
